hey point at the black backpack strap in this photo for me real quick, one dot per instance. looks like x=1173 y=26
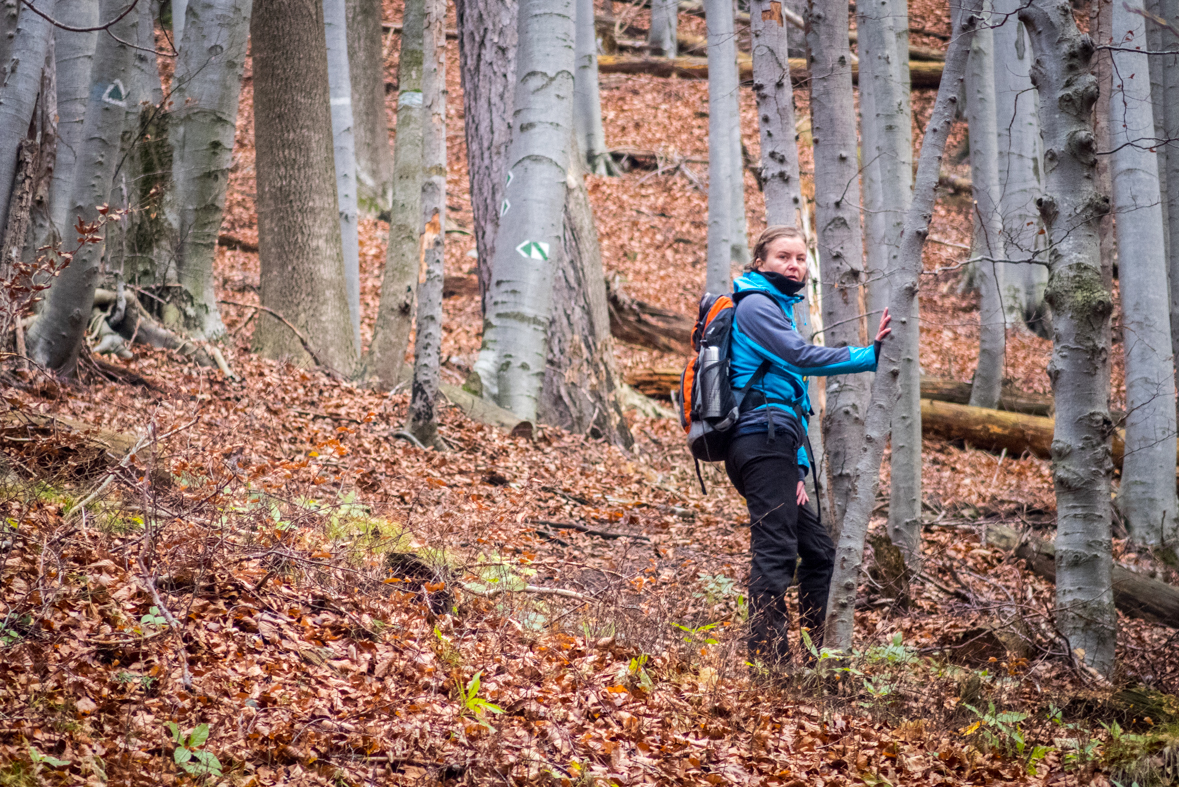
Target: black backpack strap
x=810 y=455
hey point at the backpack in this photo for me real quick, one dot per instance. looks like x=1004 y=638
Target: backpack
x=708 y=405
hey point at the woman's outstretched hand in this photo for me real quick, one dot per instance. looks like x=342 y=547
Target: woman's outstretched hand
x=802 y=498
x=884 y=329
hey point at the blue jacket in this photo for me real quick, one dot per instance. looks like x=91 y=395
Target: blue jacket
x=763 y=330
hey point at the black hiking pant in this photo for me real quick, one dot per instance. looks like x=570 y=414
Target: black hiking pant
x=765 y=473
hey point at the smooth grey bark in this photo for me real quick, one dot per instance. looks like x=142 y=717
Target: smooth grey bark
x=1019 y=167
x=9 y=12
x=1081 y=307
x=664 y=22
x=587 y=102
x=887 y=156
x=782 y=184
x=987 y=244
x=399 y=285
x=1147 y=494
x=206 y=87
x=740 y=235
x=344 y=149
x=56 y=337
x=581 y=381
x=1157 y=40
x=849 y=554
x=487 y=59
x=511 y=364
x=840 y=241
x=1169 y=63
x=179 y=21
x=723 y=169
x=18 y=94
x=29 y=199
x=366 y=65
x=423 y=421
x=299 y=247
x=73 y=58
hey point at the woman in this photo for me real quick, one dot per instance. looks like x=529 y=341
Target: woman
x=766 y=458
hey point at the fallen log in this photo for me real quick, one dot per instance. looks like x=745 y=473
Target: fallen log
x=922 y=74
x=1134 y=595
x=637 y=322
x=688 y=44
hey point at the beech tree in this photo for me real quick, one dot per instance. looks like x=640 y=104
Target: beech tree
x=664 y=25
x=399 y=285
x=55 y=339
x=205 y=90
x=344 y=152
x=1081 y=307
x=423 y=423
x=724 y=170
x=849 y=553
x=370 y=126
x=840 y=241
x=299 y=251
x=1147 y=494
x=487 y=59
x=1169 y=65
x=1155 y=41
x=987 y=245
x=587 y=102
x=511 y=364
x=1020 y=168
x=887 y=154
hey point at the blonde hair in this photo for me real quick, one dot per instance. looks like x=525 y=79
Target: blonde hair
x=766 y=238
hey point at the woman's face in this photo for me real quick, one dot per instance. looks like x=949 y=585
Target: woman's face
x=786 y=256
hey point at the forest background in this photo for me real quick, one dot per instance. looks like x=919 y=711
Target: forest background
x=189 y=545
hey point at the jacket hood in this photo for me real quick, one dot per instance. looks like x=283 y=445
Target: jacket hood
x=757 y=281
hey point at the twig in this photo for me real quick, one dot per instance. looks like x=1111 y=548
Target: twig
x=534 y=589
x=298 y=334
x=98 y=490
x=403 y=435
x=587 y=530
x=945 y=589
x=69 y=29
x=172 y=622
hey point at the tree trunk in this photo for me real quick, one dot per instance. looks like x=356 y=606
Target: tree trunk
x=1169 y=65
x=56 y=337
x=1147 y=494
x=1156 y=40
x=587 y=102
x=395 y=313
x=722 y=168
x=512 y=361
x=987 y=245
x=179 y=22
x=886 y=129
x=487 y=58
x=664 y=21
x=837 y=220
x=9 y=12
x=849 y=553
x=344 y=149
x=370 y=126
x=201 y=127
x=580 y=378
x=299 y=246
x=18 y=93
x=1019 y=168
x=1134 y=594
x=1081 y=308
x=423 y=421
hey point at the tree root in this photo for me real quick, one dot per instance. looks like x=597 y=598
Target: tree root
x=136 y=326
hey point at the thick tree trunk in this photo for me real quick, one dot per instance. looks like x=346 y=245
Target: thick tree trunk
x=179 y=22
x=1147 y=496
x=9 y=12
x=886 y=129
x=1169 y=64
x=849 y=553
x=1157 y=39
x=18 y=94
x=511 y=363
x=1019 y=167
x=366 y=67
x=723 y=170
x=56 y=337
x=201 y=128
x=423 y=421
x=487 y=58
x=987 y=244
x=837 y=221
x=580 y=379
x=664 y=21
x=399 y=285
x=344 y=149
x=1081 y=308
x=587 y=102
x=299 y=245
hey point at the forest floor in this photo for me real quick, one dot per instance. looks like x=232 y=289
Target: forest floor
x=268 y=587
